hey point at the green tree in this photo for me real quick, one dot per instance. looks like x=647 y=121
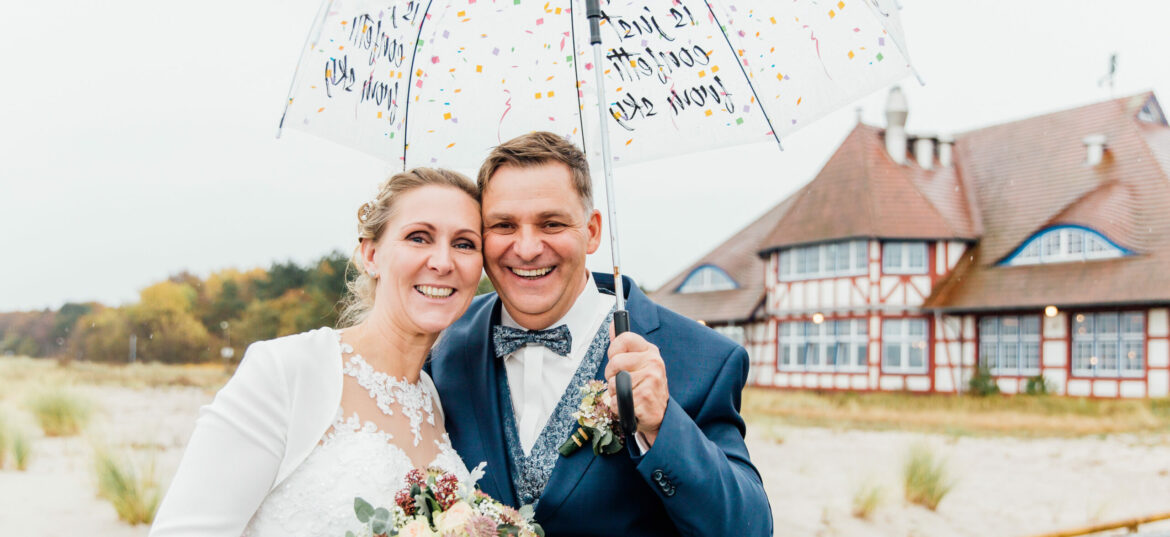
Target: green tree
x=66 y=320
x=166 y=326
x=101 y=335
x=281 y=278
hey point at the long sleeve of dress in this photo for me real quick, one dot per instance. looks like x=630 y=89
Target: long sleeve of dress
x=233 y=456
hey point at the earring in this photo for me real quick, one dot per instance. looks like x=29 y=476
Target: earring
x=374 y=274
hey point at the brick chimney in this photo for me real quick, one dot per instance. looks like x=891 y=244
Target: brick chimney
x=896 y=112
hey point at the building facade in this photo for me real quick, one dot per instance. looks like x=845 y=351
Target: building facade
x=1035 y=250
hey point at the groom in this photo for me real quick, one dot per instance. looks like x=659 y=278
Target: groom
x=508 y=402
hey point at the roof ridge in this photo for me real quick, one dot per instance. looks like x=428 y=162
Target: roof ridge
x=1114 y=100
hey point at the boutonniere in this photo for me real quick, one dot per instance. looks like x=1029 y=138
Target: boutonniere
x=597 y=423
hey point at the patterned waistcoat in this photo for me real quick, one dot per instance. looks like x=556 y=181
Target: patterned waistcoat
x=530 y=472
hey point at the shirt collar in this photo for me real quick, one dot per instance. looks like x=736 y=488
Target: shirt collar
x=579 y=317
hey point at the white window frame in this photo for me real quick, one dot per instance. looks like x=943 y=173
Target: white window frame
x=817 y=342
x=995 y=343
x=1065 y=244
x=794 y=261
x=896 y=333
x=707 y=278
x=1089 y=338
x=902 y=265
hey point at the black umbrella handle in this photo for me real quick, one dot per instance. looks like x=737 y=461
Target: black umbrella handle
x=624 y=385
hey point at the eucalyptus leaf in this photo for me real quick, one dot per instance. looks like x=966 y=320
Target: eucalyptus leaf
x=363 y=509
x=508 y=530
x=382 y=514
x=378 y=527
x=350 y=534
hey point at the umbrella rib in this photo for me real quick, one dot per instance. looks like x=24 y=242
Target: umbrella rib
x=746 y=78
x=577 y=79
x=311 y=39
x=410 y=83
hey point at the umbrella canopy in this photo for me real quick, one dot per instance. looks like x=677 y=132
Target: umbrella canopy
x=440 y=82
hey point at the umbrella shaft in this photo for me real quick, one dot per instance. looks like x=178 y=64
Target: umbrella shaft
x=607 y=166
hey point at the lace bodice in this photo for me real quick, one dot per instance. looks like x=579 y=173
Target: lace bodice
x=359 y=457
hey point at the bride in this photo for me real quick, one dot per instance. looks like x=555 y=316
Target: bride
x=311 y=421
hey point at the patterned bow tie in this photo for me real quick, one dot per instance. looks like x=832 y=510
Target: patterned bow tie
x=508 y=339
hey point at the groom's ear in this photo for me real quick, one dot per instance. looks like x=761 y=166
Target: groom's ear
x=594 y=227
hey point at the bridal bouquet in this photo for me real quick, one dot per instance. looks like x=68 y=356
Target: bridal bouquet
x=438 y=505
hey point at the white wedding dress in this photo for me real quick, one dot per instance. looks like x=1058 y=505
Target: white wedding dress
x=366 y=453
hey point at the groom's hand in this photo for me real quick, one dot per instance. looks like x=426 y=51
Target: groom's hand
x=630 y=352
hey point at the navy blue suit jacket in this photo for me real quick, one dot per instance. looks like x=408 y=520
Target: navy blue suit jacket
x=697 y=479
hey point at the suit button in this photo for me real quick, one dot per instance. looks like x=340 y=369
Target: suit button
x=669 y=491
x=657 y=475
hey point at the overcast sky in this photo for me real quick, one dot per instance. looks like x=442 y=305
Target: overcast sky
x=137 y=136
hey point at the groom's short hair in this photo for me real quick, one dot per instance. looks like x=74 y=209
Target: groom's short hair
x=535 y=149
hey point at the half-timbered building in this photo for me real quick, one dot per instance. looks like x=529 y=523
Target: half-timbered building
x=1036 y=249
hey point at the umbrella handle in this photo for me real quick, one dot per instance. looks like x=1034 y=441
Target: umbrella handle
x=624 y=385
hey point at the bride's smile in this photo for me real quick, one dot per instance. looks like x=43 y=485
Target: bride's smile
x=427 y=261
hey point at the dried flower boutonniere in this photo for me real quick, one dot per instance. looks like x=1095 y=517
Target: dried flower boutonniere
x=597 y=423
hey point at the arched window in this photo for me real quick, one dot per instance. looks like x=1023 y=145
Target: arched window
x=707 y=278
x=1062 y=244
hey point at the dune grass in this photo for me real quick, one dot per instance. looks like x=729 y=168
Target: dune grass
x=4 y=440
x=21 y=449
x=59 y=411
x=866 y=499
x=1028 y=416
x=133 y=492
x=925 y=477
x=25 y=371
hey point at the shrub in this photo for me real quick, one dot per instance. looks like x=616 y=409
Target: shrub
x=135 y=497
x=982 y=384
x=925 y=478
x=60 y=412
x=1038 y=385
x=866 y=499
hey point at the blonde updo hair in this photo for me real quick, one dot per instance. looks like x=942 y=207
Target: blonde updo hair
x=372 y=218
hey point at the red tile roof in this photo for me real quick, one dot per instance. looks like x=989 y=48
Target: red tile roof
x=1032 y=174
x=862 y=192
x=1009 y=182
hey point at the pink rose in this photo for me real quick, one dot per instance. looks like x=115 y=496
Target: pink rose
x=454 y=518
x=419 y=527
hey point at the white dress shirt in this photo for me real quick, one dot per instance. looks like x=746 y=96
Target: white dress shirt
x=537 y=377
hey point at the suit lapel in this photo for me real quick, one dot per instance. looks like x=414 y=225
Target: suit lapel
x=569 y=471
x=485 y=398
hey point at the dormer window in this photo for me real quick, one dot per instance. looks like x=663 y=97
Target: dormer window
x=707 y=278
x=1151 y=113
x=1064 y=244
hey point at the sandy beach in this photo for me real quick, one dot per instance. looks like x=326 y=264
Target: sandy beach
x=1003 y=485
